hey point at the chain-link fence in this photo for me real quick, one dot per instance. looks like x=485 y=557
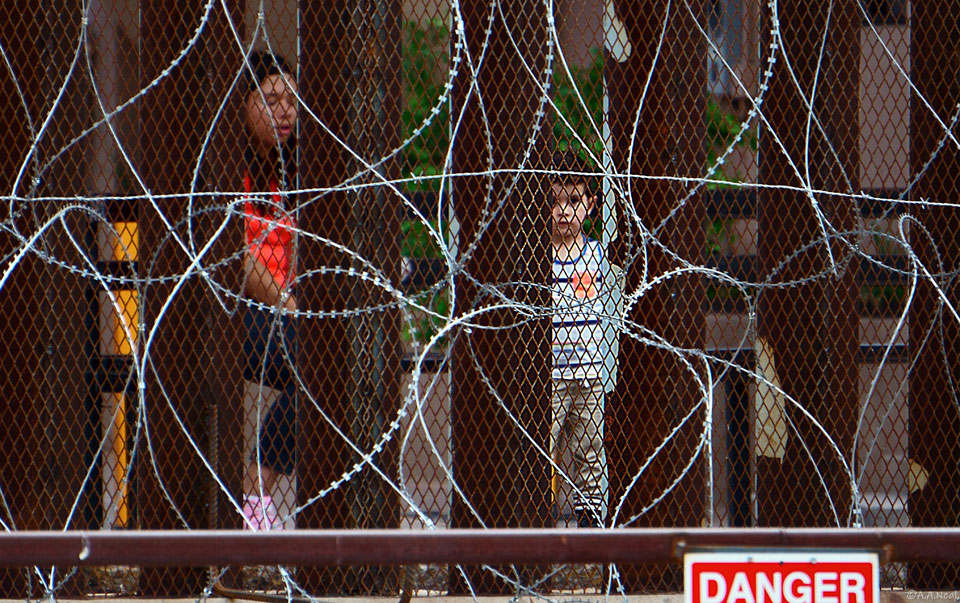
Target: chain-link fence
x=418 y=264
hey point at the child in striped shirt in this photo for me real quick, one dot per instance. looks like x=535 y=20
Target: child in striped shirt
x=578 y=392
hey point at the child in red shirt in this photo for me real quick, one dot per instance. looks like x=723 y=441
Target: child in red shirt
x=270 y=117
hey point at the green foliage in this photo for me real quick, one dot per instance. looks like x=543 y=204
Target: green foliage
x=724 y=293
x=722 y=130
x=418 y=243
x=885 y=244
x=593 y=228
x=882 y=299
x=721 y=234
x=417 y=240
x=425 y=61
x=585 y=117
x=425 y=65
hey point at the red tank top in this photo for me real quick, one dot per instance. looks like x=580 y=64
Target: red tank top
x=269 y=233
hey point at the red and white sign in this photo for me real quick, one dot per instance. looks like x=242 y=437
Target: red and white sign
x=781 y=577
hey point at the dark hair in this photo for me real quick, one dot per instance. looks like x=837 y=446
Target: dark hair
x=261 y=64
x=569 y=168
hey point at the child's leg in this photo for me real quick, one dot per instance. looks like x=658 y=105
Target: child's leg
x=278 y=443
x=560 y=407
x=590 y=457
x=259 y=479
x=270 y=350
x=560 y=443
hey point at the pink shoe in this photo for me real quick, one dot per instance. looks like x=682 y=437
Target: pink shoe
x=259 y=514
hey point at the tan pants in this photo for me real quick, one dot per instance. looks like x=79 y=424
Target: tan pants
x=576 y=435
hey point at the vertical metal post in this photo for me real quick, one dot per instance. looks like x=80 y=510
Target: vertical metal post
x=323 y=163
x=503 y=478
x=655 y=390
x=64 y=305
x=171 y=118
x=61 y=305
x=19 y=478
x=808 y=332
x=375 y=211
x=222 y=171
x=351 y=80
x=934 y=427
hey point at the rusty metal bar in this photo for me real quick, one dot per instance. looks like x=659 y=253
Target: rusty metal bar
x=20 y=444
x=373 y=354
x=323 y=162
x=222 y=388
x=933 y=425
x=354 y=87
x=654 y=390
x=808 y=333
x=342 y=547
x=63 y=305
x=178 y=348
x=222 y=384
x=492 y=461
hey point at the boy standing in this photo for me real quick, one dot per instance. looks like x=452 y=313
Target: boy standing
x=578 y=391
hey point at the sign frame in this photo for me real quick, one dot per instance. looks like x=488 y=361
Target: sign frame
x=794 y=561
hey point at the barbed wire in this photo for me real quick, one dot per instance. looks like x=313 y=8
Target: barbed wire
x=33 y=219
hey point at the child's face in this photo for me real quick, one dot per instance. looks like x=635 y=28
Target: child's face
x=271 y=112
x=571 y=205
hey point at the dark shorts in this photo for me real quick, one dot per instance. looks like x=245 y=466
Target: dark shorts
x=269 y=351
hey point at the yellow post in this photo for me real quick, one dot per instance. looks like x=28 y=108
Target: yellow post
x=120 y=320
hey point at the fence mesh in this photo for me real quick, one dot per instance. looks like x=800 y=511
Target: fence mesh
x=418 y=264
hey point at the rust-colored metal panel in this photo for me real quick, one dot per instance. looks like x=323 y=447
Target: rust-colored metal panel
x=504 y=369
x=323 y=164
x=19 y=378
x=171 y=482
x=222 y=172
x=373 y=217
x=934 y=424
x=349 y=547
x=807 y=322
x=44 y=357
x=63 y=303
x=222 y=385
x=350 y=78
x=662 y=78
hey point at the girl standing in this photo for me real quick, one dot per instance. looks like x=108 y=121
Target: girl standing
x=270 y=119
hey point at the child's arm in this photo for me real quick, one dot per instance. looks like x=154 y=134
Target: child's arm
x=259 y=285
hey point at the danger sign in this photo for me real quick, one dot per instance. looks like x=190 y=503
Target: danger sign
x=781 y=577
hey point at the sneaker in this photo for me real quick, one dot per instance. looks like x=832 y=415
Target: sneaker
x=259 y=514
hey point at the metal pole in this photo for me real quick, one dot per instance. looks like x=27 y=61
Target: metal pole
x=18 y=303
x=934 y=427
x=375 y=235
x=503 y=478
x=498 y=546
x=175 y=380
x=807 y=334
x=351 y=365
x=654 y=390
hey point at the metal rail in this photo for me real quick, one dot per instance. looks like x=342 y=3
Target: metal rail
x=345 y=547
